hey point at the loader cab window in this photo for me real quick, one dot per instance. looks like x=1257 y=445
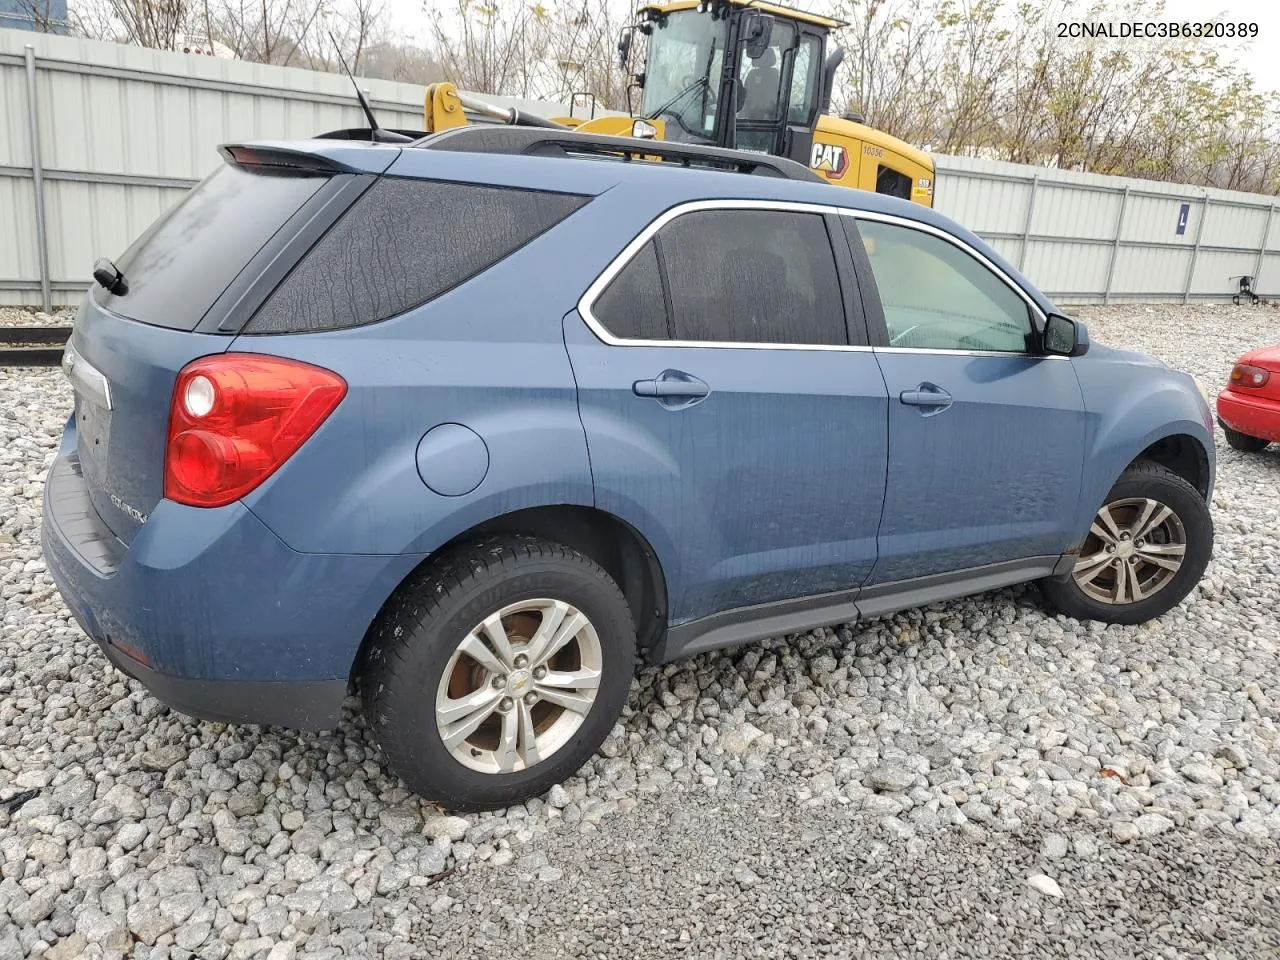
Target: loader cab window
x=892 y=183
x=764 y=94
x=762 y=78
x=682 y=75
x=804 y=81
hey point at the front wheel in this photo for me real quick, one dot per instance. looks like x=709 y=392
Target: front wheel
x=1148 y=546
x=498 y=671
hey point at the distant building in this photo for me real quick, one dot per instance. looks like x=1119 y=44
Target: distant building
x=42 y=16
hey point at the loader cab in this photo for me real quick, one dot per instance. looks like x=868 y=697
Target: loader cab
x=741 y=74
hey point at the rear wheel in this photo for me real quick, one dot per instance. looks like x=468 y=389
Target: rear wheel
x=498 y=671
x=1242 y=441
x=1147 y=547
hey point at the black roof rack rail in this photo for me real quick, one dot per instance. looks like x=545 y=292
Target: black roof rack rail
x=542 y=142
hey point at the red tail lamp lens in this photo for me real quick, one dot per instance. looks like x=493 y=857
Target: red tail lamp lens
x=1247 y=375
x=235 y=418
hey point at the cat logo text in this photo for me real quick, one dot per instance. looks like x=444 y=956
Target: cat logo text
x=829 y=160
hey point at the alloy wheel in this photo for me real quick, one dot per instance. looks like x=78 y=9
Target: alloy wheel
x=519 y=686
x=1134 y=549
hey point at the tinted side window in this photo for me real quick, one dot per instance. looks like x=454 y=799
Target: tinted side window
x=406 y=242
x=752 y=276
x=936 y=296
x=632 y=306
x=889 y=181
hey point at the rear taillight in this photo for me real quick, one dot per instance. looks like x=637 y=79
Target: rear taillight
x=1247 y=375
x=236 y=417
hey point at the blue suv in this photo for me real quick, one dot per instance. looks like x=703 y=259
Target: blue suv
x=466 y=425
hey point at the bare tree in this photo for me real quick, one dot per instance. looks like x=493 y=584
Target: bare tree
x=406 y=63
x=264 y=31
x=42 y=15
x=354 y=27
x=485 y=45
x=151 y=23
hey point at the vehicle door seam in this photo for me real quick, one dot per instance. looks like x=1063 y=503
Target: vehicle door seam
x=577 y=404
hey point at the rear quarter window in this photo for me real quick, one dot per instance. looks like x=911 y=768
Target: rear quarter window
x=404 y=243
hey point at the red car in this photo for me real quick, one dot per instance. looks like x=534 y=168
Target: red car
x=1249 y=405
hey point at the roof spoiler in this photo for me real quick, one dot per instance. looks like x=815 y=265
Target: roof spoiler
x=366 y=134
x=281 y=161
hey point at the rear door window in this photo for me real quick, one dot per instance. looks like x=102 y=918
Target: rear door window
x=180 y=266
x=404 y=243
x=753 y=276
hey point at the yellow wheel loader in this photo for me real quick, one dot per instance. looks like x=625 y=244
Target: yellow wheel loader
x=741 y=74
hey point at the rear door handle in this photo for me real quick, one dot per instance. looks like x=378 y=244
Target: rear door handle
x=927 y=395
x=673 y=389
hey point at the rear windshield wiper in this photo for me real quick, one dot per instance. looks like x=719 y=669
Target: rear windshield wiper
x=109 y=277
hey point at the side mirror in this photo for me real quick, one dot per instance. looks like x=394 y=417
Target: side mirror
x=1064 y=337
x=624 y=46
x=756 y=30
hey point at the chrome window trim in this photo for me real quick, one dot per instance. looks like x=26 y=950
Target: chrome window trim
x=619 y=263
x=940 y=351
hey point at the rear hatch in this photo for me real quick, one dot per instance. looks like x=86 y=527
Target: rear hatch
x=192 y=278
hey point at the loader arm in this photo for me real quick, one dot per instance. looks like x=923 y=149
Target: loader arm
x=444 y=107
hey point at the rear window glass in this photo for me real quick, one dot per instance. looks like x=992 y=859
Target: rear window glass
x=404 y=243
x=181 y=265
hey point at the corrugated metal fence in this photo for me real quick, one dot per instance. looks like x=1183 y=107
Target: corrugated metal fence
x=122 y=132
x=1085 y=238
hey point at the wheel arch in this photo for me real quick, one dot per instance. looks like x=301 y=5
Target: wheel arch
x=1182 y=454
x=610 y=541
x=1182 y=446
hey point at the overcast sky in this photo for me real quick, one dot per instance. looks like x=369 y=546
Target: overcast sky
x=1261 y=57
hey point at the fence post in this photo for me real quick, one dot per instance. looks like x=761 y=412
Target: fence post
x=1026 y=227
x=1262 y=247
x=1195 y=250
x=1115 y=246
x=37 y=176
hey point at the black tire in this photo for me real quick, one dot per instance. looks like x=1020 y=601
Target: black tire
x=1244 y=442
x=1146 y=479
x=421 y=627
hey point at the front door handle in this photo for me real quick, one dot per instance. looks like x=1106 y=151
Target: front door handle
x=928 y=395
x=673 y=389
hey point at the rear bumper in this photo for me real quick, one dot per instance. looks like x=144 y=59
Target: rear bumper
x=1252 y=416
x=300 y=704
x=219 y=618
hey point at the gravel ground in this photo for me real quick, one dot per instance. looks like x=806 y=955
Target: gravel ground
x=973 y=779
x=30 y=317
